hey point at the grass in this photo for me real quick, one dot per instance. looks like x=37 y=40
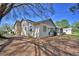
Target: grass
x=75 y=35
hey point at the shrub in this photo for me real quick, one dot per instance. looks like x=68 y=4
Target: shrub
x=29 y=36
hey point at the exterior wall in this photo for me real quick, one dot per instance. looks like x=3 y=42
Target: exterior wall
x=49 y=23
x=26 y=28
x=24 y=25
x=37 y=30
x=30 y=29
x=45 y=34
x=18 y=28
x=67 y=30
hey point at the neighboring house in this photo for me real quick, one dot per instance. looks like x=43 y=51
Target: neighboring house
x=35 y=29
x=61 y=31
x=67 y=30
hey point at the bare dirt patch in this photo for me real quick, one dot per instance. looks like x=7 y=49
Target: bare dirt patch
x=50 y=46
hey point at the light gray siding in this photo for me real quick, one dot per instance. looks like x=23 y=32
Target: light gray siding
x=36 y=31
x=46 y=33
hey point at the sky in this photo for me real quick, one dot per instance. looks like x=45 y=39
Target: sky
x=61 y=12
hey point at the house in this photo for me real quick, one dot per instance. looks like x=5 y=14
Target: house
x=61 y=31
x=67 y=30
x=27 y=27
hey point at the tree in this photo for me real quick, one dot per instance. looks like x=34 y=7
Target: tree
x=76 y=25
x=74 y=8
x=58 y=23
x=38 y=9
x=75 y=28
x=63 y=23
x=6 y=28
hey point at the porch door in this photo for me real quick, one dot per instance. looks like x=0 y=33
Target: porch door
x=50 y=32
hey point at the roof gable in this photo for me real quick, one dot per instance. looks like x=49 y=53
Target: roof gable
x=48 y=21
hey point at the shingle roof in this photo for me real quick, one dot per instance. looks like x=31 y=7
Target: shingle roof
x=36 y=22
x=46 y=21
x=27 y=20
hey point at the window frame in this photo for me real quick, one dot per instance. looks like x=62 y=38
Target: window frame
x=44 y=28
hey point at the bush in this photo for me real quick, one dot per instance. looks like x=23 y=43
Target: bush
x=76 y=31
x=63 y=33
x=29 y=36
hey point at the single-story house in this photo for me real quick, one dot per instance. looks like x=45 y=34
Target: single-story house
x=67 y=30
x=61 y=31
x=27 y=27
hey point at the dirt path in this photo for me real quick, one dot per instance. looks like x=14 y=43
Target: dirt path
x=51 y=46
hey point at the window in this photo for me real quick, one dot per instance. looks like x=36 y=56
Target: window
x=44 y=28
x=51 y=29
x=31 y=28
x=66 y=30
x=25 y=28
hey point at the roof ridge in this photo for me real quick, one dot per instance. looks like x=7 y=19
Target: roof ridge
x=44 y=20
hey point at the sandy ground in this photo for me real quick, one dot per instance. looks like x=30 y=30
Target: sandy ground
x=50 y=46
